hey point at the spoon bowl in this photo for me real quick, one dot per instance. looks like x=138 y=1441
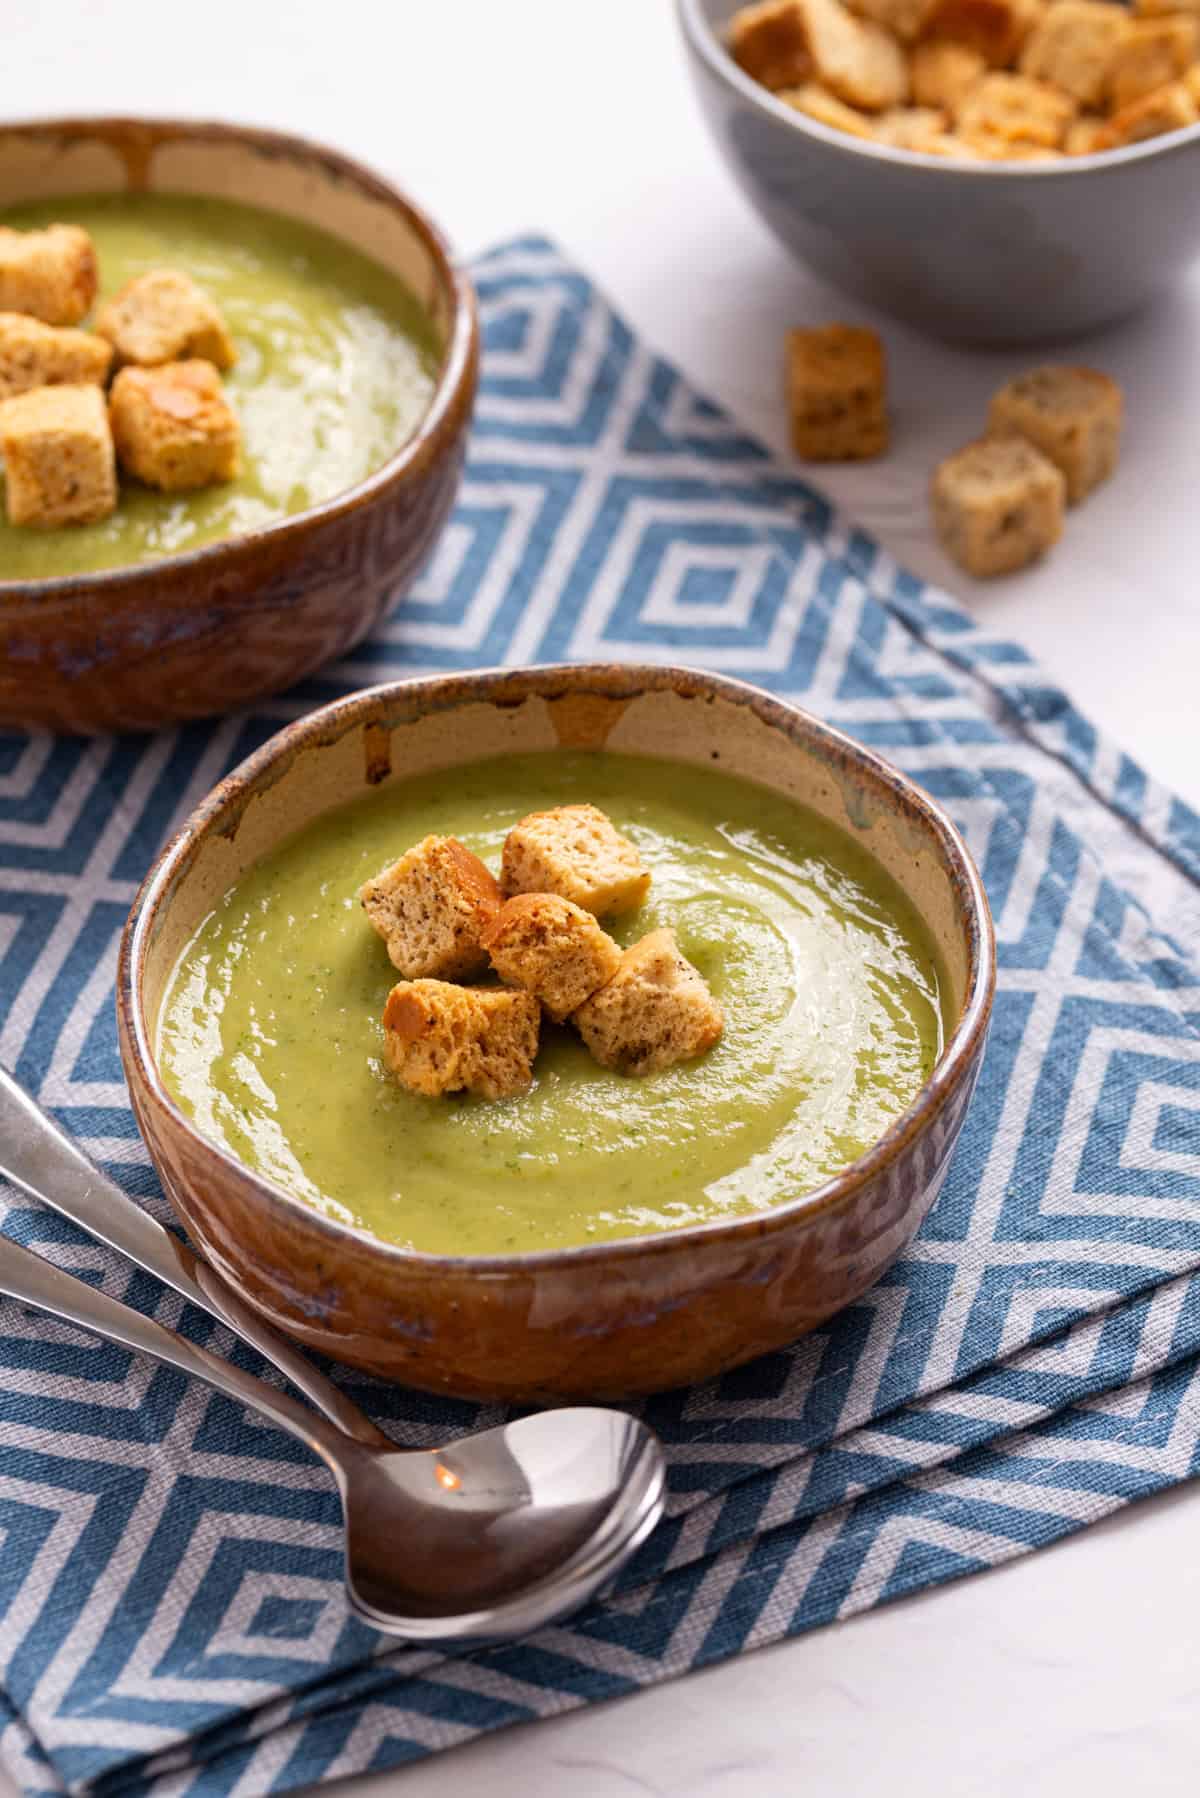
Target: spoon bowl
x=516 y=1525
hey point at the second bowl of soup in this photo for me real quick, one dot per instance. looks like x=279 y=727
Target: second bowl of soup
x=596 y=1232
x=356 y=348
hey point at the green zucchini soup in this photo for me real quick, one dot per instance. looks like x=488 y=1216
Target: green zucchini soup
x=270 y=1034
x=336 y=365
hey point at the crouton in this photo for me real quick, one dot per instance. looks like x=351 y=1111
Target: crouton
x=432 y=907
x=656 y=1010
x=837 y=393
x=917 y=128
x=1073 y=415
x=997 y=505
x=1151 y=54
x=58 y=456
x=577 y=852
x=1156 y=9
x=1073 y=45
x=162 y=316
x=1169 y=108
x=816 y=102
x=36 y=355
x=905 y=19
x=552 y=949
x=50 y=274
x=859 y=62
x=770 y=42
x=943 y=74
x=1086 y=134
x=1016 y=109
x=174 y=428
x=440 y=1038
x=995 y=28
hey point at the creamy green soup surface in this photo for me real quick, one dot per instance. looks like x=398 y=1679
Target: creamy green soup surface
x=270 y=1034
x=336 y=364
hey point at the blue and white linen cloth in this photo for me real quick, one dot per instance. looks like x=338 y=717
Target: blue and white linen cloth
x=171 y=1616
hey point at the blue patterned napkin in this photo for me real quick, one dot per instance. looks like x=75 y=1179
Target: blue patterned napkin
x=172 y=1617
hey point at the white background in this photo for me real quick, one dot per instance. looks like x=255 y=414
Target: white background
x=1073 y=1671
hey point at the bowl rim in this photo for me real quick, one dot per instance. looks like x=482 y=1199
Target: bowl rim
x=702 y=37
x=459 y=352
x=415 y=698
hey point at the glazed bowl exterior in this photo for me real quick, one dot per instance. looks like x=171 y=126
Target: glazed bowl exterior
x=221 y=626
x=968 y=251
x=602 y=1320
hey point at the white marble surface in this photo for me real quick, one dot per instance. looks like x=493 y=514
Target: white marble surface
x=1072 y=1671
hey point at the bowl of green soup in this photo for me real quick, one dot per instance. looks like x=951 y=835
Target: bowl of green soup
x=356 y=362
x=595 y=1234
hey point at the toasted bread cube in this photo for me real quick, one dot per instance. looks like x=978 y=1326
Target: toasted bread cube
x=1170 y=108
x=816 y=102
x=1191 y=83
x=996 y=29
x=1018 y=109
x=943 y=74
x=656 y=1010
x=988 y=146
x=432 y=907
x=163 y=316
x=58 y=456
x=50 y=274
x=905 y=19
x=837 y=393
x=1074 y=44
x=921 y=128
x=576 y=851
x=998 y=505
x=1157 y=9
x=174 y=428
x=1152 y=54
x=770 y=42
x=552 y=949
x=1073 y=415
x=440 y=1038
x=36 y=355
x=1086 y=135
x=859 y=62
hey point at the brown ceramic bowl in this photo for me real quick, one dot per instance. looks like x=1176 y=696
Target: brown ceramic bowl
x=136 y=648
x=608 y=1319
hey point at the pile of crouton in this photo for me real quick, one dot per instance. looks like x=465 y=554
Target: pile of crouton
x=997 y=80
x=446 y=920
x=1051 y=436
x=166 y=421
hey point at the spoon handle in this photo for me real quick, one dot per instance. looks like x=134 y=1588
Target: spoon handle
x=28 y=1278
x=42 y=1160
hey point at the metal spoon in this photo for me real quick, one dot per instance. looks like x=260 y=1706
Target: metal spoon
x=489 y=1537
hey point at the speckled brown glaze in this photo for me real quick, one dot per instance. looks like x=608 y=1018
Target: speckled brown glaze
x=610 y=1319
x=136 y=648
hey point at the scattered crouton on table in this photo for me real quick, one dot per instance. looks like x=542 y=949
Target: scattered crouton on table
x=998 y=505
x=1073 y=415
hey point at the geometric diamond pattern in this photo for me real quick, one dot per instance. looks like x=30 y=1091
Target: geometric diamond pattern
x=171 y=1616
